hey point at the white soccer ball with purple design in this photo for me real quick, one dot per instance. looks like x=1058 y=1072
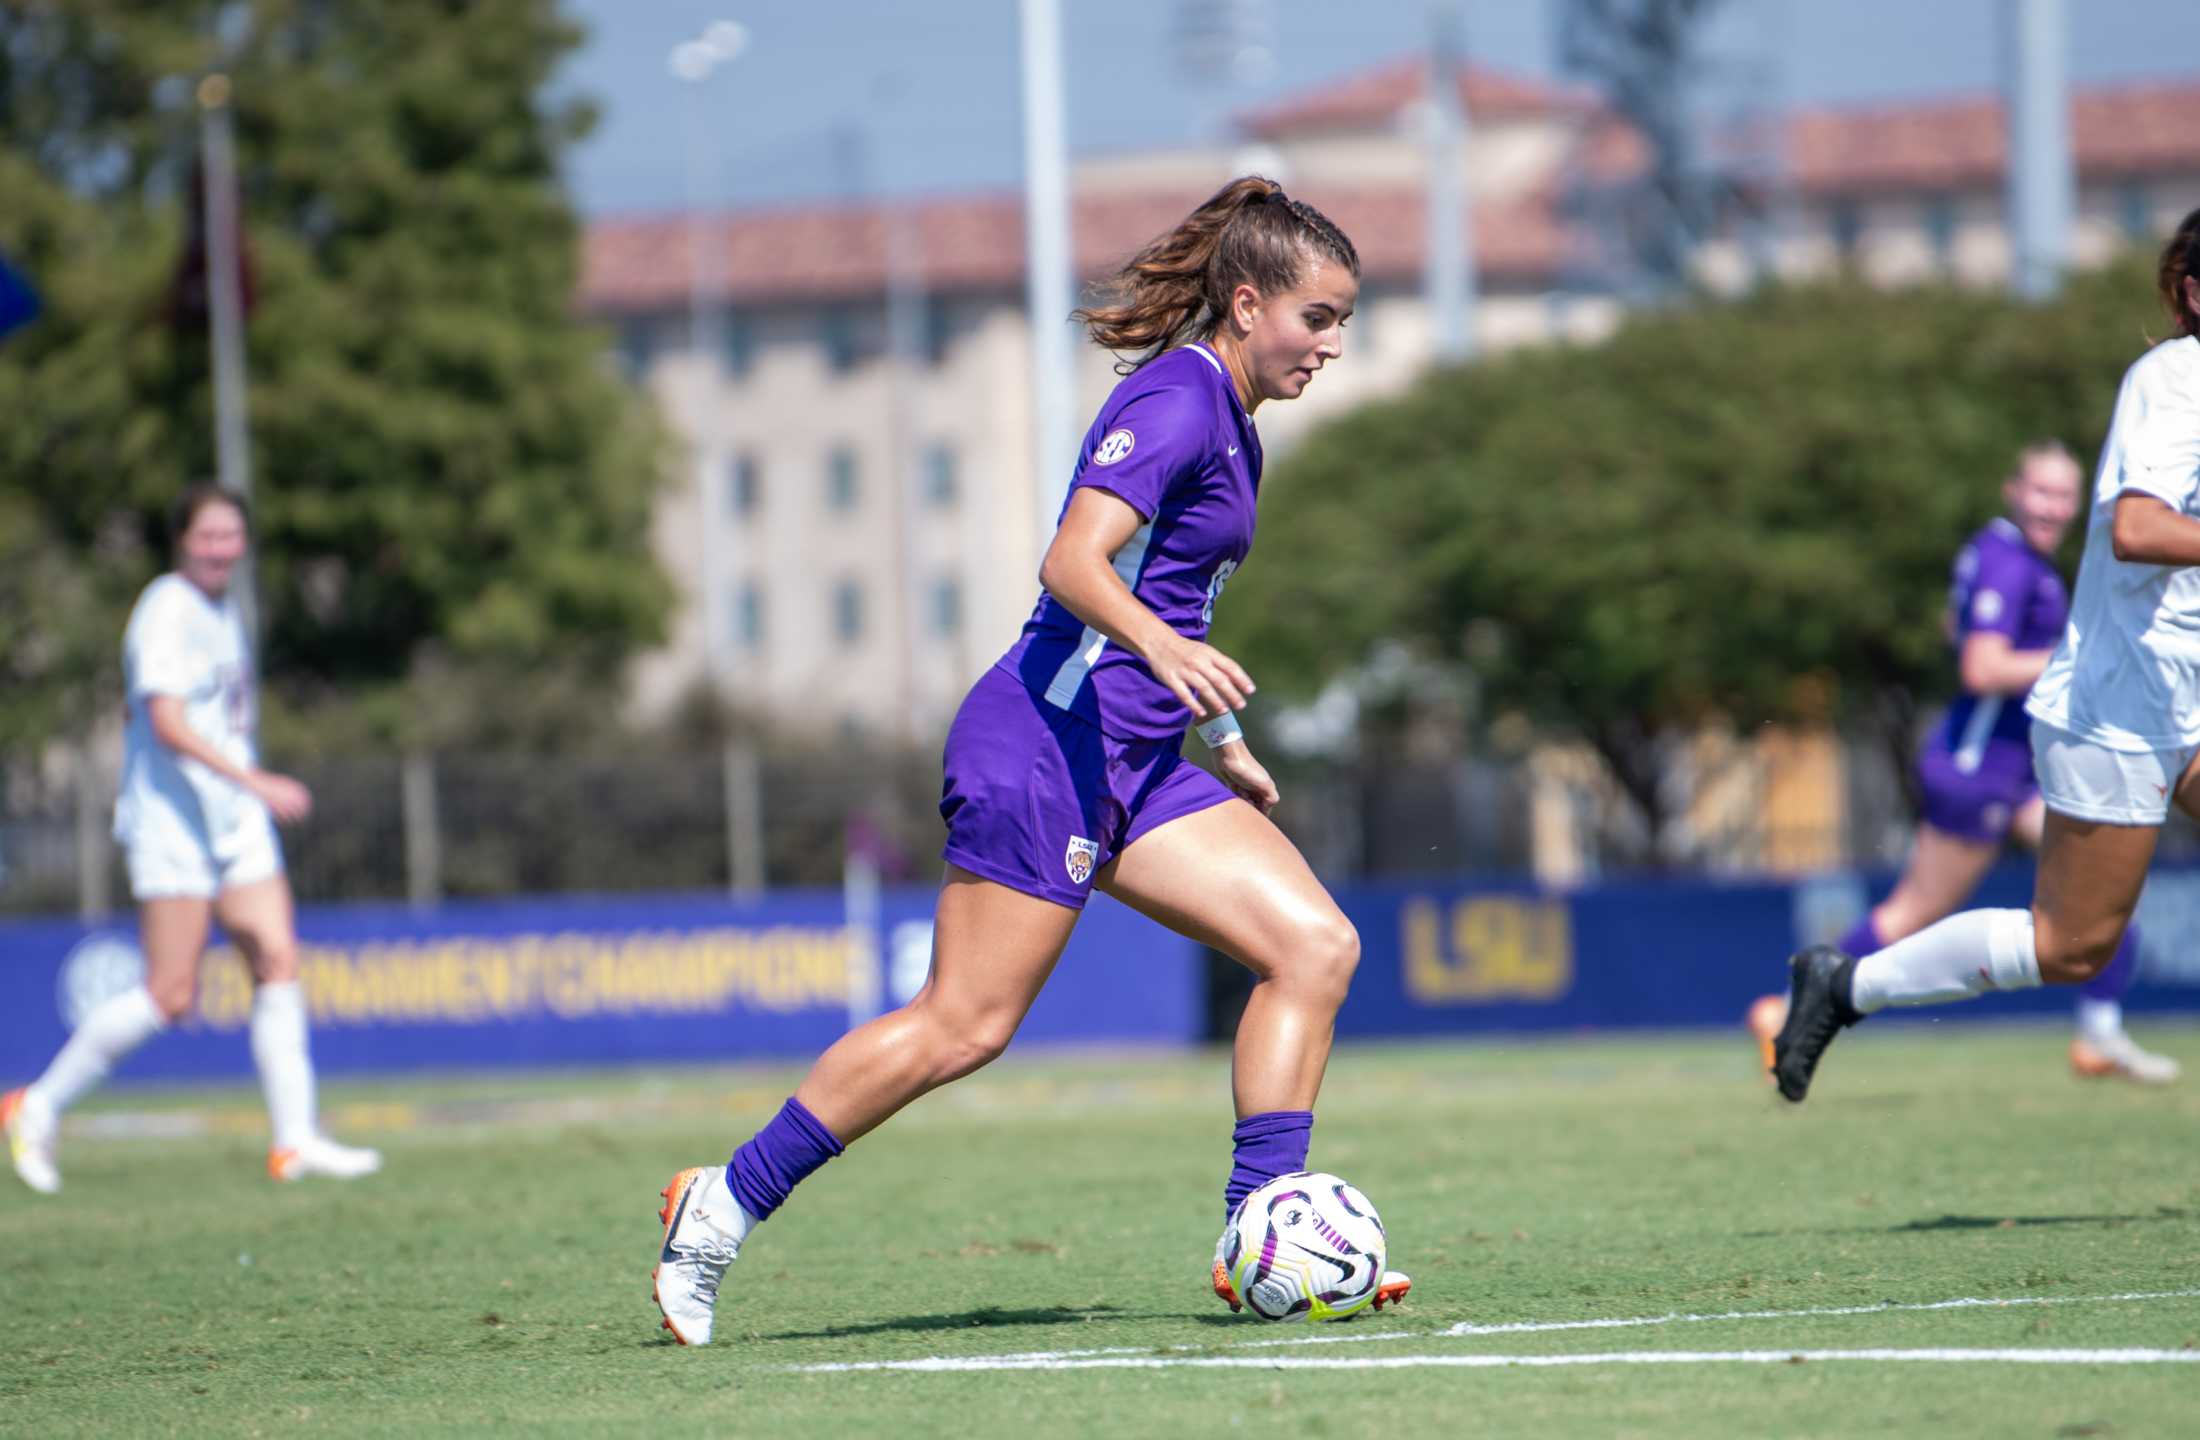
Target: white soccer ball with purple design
x=1305 y=1247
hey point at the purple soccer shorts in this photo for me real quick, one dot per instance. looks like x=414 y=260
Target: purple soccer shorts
x=1039 y=800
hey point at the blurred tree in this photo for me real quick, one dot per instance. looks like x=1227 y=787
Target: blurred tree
x=1739 y=513
x=447 y=478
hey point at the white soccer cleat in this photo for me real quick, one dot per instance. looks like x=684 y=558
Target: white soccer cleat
x=2116 y=1053
x=322 y=1156
x=704 y=1228
x=30 y=1128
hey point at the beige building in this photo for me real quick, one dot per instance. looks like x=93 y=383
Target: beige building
x=856 y=533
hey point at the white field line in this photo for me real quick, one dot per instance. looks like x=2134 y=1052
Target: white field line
x=1498 y=1362
x=1042 y=1359
x=1536 y=1327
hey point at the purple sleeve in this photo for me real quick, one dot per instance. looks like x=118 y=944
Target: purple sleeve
x=1152 y=442
x=1998 y=594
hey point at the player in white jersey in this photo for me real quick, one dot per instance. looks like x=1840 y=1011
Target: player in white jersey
x=2115 y=724
x=196 y=819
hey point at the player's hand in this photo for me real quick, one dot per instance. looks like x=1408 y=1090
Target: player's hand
x=1206 y=680
x=1247 y=776
x=285 y=799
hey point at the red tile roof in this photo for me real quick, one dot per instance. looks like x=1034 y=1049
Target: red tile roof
x=977 y=243
x=1372 y=99
x=1948 y=144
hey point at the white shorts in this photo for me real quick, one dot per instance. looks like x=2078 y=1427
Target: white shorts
x=2088 y=781
x=171 y=859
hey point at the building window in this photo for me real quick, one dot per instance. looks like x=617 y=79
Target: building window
x=837 y=333
x=840 y=479
x=939 y=330
x=747 y=490
x=1940 y=227
x=1845 y=222
x=637 y=346
x=848 y=612
x=939 y=475
x=946 y=607
x=2135 y=210
x=748 y=617
x=740 y=345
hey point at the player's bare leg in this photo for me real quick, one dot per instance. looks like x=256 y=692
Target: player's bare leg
x=171 y=931
x=1228 y=878
x=2088 y=885
x=260 y=916
x=992 y=951
x=1941 y=873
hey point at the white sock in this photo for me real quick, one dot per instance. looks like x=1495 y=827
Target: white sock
x=286 y=1070
x=113 y=1029
x=1961 y=956
x=2100 y=1019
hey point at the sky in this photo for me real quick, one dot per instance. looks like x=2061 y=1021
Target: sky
x=849 y=97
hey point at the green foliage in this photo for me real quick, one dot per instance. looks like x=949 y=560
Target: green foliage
x=445 y=473
x=1741 y=512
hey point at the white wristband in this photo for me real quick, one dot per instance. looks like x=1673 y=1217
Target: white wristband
x=1221 y=730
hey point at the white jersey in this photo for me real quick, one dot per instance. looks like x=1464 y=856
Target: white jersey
x=2127 y=674
x=182 y=642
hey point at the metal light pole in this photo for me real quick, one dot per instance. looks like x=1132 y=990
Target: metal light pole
x=1048 y=288
x=225 y=307
x=1450 y=274
x=2041 y=187
x=693 y=62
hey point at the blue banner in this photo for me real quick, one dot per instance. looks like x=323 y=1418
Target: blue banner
x=597 y=981
x=1443 y=959
x=696 y=978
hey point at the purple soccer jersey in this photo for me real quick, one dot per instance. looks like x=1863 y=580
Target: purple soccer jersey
x=1173 y=443
x=2001 y=586
x=1976 y=770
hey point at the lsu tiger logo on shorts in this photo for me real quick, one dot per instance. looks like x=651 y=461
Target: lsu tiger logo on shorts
x=1081 y=856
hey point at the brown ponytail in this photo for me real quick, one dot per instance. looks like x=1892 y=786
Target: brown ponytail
x=1178 y=288
x=2181 y=261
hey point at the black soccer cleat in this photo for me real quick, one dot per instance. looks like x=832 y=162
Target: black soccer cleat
x=1818 y=1009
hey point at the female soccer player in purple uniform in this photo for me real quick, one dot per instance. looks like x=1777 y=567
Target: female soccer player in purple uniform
x=1063 y=767
x=2115 y=725
x=2006 y=612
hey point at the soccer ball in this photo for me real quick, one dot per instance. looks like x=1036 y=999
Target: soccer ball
x=1305 y=1247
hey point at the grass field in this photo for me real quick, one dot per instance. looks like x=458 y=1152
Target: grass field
x=496 y=1276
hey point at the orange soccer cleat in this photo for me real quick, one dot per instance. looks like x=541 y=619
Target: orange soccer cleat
x=1766 y=1015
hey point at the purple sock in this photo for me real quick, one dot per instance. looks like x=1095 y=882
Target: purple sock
x=1267 y=1146
x=1862 y=939
x=779 y=1157
x=2123 y=967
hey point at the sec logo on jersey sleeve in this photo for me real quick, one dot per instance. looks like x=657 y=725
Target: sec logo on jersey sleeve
x=1114 y=447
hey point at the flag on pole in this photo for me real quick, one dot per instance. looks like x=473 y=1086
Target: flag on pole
x=19 y=304
x=190 y=294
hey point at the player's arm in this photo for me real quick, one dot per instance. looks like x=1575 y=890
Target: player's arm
x=284 y=797
x=1079 y=571
x=1990 y=665
x=2145 y=531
